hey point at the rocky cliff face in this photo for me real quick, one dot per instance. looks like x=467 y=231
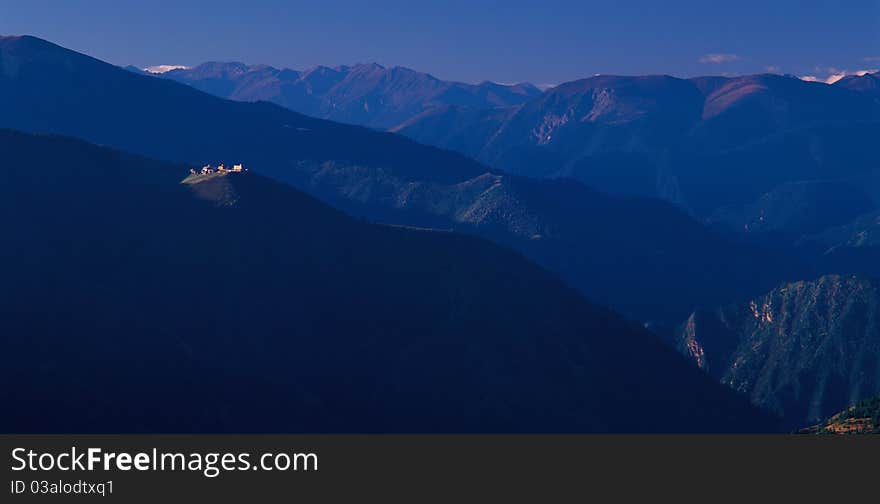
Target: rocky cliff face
x=805 y=350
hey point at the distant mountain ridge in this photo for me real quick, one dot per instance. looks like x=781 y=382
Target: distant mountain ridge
x=365 y=94
x=772 y=160
x=701 y=143
x=867 y=83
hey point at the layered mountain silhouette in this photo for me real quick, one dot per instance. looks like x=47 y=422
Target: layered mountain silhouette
x=365 y=94
x=641 y=256
x=804 y=350
x=701 y=143
x=138 y=298
x=719 y=147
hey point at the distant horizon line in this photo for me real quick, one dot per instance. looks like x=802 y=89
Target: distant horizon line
x=833 y=74
x=829 y=80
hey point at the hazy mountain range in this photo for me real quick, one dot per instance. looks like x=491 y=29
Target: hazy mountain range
x=621 y=252
x=701 y=143
x=365 y=94
x=658 y=197
x=737 y=152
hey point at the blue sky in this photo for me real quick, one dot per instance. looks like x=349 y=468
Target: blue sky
x=544 y=42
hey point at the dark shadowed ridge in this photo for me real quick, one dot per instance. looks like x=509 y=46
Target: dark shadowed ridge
x=133 y=302
x=643 y=257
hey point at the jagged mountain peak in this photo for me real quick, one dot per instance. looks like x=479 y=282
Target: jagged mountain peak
x=365 y=93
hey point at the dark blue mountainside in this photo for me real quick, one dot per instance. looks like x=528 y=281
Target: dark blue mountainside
x=135 y=301
x=866 y=83
x=641 y=256
x=365 y=94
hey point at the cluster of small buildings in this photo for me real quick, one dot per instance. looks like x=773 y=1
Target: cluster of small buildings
x=208 y=169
